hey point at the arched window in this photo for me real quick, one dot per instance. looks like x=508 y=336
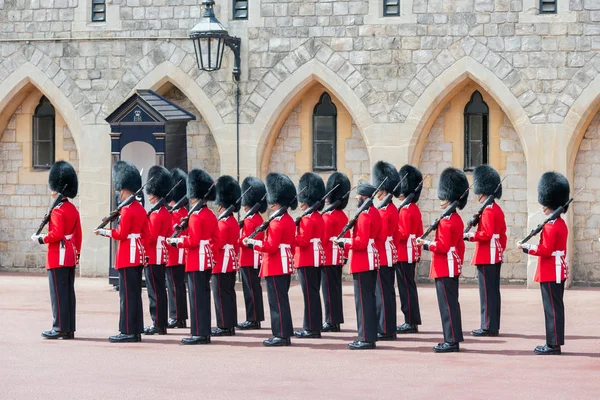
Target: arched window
x=43 y=134
x=324 y=134
x=476 y=132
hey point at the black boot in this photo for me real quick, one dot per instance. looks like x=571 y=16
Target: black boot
x=223 y=332
x=306 y=334
x=53 y=334
x=360 y=345
x=446 y=347
x=196 y=340
x=382 y=337
x=547 y=350
x=248 y=325
x=177 y=323
x=327 y=327
x=484 y=332
x=125 y=338
x=151 y=330
x=277 y=342
x=407 y=328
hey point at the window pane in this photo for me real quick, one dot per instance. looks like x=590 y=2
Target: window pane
x=324 y=128
x=391 y=7
x=323 y=155
x=548 y=6
x=476 y=127
x=476 y=154
x=43 y=154
x=43 y=128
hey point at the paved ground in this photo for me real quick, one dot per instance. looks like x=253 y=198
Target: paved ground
x=240 y=367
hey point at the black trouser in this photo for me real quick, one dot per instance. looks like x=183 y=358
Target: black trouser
x=157 y=294
x=255 y=309
x=407 y=290
x=131 y=319
x=62 y=298
x=364 y=298
x=385 y=300
x=489 y=296
x=447 y=295
x=310 y=279
x=279 y=305
x=223 y=286
x=176 y=292
x=199 y=292
x=554 y=312
x=331 y=285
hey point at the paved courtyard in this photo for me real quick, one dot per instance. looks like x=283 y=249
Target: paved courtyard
x=240 y=367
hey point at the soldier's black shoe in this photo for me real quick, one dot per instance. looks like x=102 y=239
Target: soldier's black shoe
x=327 y=327
x=196 y=340
x=277 y=342
x=151 y=330
x=248 y=325
x=306 y=334
x=446 y=347
x=125 y=338
x=484 y=332
x=547 y=350
x=360 y=345
x=177 y=323
x=53 y=334
x=407 y=328
x=223 y=332
x=382 y=337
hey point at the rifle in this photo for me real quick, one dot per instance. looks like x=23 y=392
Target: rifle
x=115 y=213
x=276 y=214
x=59 y=199
x=229 y=211
x=181 y=203
x=252 y=211
x=408 y=199
x=448 y=211
x=365 y=206
x=490 y=199
x=337 y=203
x=183 y=223
x=388 y=198
x=314 y=207
x=163 y=200
x=555 y=214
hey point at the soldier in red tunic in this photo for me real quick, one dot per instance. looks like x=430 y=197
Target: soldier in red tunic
x=178 y=313
x=132 y=235
x=364 y=263
x=388 y=256
x=331 y=274
x=410 y=227
x=447 y=253
x=225 y=248
x=159 y=222
x=64 y=246
x=202 y=231
x=309 y=254
x=552 y=270
x=250 y=259
x=490 y=239
x=278 y=257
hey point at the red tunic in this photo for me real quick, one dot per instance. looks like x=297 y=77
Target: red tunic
x=64 y=236
x=448 y=249
x=202 y=230
x=551 y=250
x=248 y=256
x=389 y=221
x=176 y=256
x=410 y=227
x=159 y=223
x=225 y=247
x=310 y=236
x=490 y=236
x=364 y=254
x=334 y=221
x=278 y=247
x=132 y=234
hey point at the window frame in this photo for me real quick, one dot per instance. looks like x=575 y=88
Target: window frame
x=386 y=5
x=468 y=164
x=233 y=8
x=93 y=13
x=38 y=115
x=332 y=142
x=541 y=7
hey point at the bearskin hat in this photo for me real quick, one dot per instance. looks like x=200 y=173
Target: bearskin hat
x=314 y=189
x=198 y=183
x=553 y=190
x=410 y=183
x=342 y=182
x=255 y=194
x=382 y=170
x=486 y=180
x=281 y=190
x=181 y=190
x=126 y=177
x=161 y=182
x=453 y=183
x=63 y=179
x=228 y=192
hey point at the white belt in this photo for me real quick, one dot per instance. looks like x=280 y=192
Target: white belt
x=62 y=251
x=133 y=245
x=409 y=247
x=494 y=245
x=160 y=242
x=334 y=251
x=451 y=261
x=256 y=259
x=203 y=253
x=228 y=251
x=372 y=252
x=559 y=262
x=285 y=252
x=317 y=251
x=389 y=251
x=181 y=252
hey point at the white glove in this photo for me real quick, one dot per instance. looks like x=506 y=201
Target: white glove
x=38 y=238
x=468 y=236
x=103 y=232
x=342 y=241
x=174 y=241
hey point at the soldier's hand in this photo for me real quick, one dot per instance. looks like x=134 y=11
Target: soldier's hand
x=468 y=236
x=101 y=232
x=38 y=238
